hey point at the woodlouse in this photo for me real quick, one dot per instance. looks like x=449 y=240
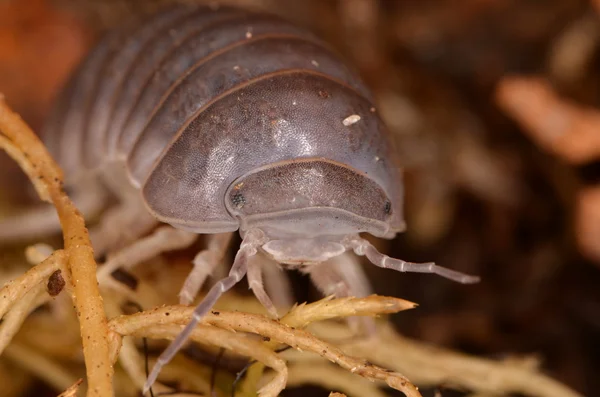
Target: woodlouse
x=218 y=120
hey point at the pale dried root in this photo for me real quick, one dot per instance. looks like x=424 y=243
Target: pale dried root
x=40 y=365
x=14 y=290
x=12 y=321
x=191 y=375
x=237 y=343
x=329 y=308
x=428 y=365
x=332 y=378
x=72 y=391
x=17 y=139
x=276 y=331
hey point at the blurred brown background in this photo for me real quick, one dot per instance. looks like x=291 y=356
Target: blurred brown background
x=482 y=196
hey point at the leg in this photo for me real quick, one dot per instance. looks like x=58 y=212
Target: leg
x=165 y=238
x=351 y=271
x=359 y=286
x=343 y=276
x=43 y=221
x=328 y=280
x=127 y=220
x=256 y=265
x=120 y=226
x=277 y=285
x=252 y=240
x=363 y=247
x=204 y=264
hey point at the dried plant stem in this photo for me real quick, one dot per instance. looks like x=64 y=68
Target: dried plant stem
x=14 y=290
x=17 y=139
x=328 y=308
x=238 y=343
x=332 y=378
x=258 y=324
x=72 y=391
x=191 y=376
x=429 y=365
x=43 y=367
x=13 y=320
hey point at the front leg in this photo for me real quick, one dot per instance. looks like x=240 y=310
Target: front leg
x=163 y=239
x=204 y=264
x=342 y=276
x=276 y=282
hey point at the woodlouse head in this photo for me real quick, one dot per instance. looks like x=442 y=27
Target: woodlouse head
x=306 y=207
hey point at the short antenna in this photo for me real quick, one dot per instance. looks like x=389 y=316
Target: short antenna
x=362 y=247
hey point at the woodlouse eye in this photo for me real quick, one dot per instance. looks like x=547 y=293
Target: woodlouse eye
x=238 y=200
x=387 y=208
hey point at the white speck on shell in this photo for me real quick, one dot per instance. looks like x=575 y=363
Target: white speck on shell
x=315 y=63
x=353 y=119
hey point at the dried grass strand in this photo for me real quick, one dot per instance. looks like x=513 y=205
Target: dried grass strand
x=238 y=343
x=72 y=391
x=13 y=320
x=17 y=139
x=14 y=290
x=428 y=365
x=40 y=365
x=333 y=378
x=329 y=308
x=259 y=324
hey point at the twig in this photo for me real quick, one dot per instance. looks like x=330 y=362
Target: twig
x=428 y=365
x=72 y=391
x=258 y=324
x=331 y=377
x=26 y=149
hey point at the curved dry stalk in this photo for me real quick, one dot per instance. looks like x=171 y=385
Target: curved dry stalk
x=190 y=375
x=332 y=378
x=258 y=324
x=40 y=365
x=37 y=253
x=329 y=308
x=238 y=343
x=51 y=335
x=429 y=365
x=13 y=320
x=133 y=364
x=72 y=391
x=14 y=290
x=17 y=139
